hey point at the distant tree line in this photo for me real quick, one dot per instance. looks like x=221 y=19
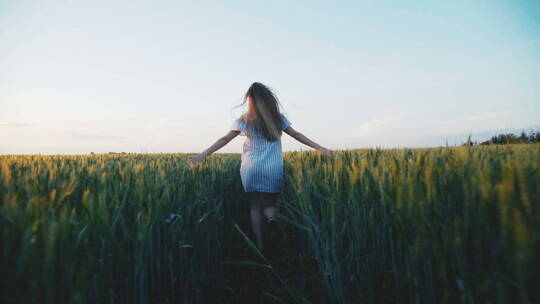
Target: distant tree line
x=509 y=138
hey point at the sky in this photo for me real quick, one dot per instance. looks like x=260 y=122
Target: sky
x=166 y=76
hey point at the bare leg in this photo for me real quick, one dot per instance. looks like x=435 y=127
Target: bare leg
x=256 y=216
x=270 y=207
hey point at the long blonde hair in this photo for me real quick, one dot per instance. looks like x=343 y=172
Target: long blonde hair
x=263 y=112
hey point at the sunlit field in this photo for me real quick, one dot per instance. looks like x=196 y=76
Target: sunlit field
x=438 y=225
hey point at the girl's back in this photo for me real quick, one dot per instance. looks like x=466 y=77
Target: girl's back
x=262 y=160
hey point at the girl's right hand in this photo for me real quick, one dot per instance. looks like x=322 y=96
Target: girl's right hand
x=327 y=152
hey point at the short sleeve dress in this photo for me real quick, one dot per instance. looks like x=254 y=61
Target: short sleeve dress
x=261 y=166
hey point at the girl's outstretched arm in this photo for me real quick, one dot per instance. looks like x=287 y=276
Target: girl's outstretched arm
x=222 y=141
x=306 y=141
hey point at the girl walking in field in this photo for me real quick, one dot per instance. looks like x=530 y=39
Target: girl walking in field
x=261 y=169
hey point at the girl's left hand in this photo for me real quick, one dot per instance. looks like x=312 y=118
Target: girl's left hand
x=195 y=159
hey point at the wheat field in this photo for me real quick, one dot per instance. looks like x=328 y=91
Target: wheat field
x=434 y=225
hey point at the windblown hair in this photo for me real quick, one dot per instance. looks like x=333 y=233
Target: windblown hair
x=263 y=113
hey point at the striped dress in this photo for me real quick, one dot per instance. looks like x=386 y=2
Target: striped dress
x=261 y=166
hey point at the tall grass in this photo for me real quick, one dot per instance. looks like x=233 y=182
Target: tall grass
x=441 y=225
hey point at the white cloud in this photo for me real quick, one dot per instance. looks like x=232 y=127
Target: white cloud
x=412 y=130
x=158 y=123
x=91 y=136
x=14 y=124
x=389 y=125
